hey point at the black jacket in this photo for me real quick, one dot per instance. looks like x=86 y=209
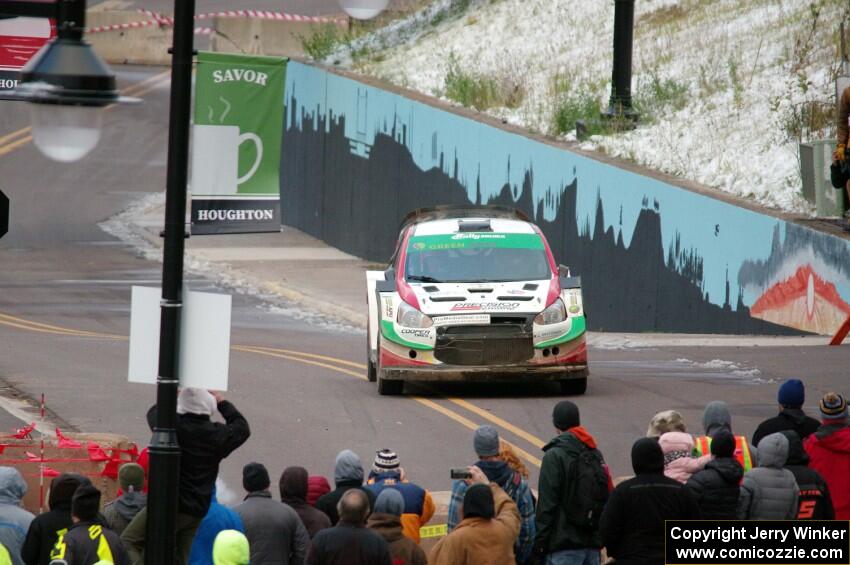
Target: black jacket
x=348 y=544
x=632 y=525
x=327 y=503
x=554 y=533
x=716 y=488
x=82 y=545
x=789 y=419
x=814 y=498
x=203 y=444
x=44 y=529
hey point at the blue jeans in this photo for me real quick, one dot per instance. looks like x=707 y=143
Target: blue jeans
x=574 y=557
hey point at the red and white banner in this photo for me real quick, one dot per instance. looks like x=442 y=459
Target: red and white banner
x=20 y=39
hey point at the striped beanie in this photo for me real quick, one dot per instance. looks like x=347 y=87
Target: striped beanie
x=385 y=460
x=833 y=406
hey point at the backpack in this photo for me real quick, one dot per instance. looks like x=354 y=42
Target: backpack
x=587 y=489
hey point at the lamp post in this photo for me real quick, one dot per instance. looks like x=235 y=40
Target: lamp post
x=164 y=450
x=66 y=83
x=620 y=104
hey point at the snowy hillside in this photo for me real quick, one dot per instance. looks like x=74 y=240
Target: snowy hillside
x=727 y=88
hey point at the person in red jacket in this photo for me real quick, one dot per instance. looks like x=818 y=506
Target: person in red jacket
x=829 y=452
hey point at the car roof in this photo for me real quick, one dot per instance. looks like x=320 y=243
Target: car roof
x=451 y=225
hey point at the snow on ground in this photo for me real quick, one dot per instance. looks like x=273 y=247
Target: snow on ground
x=722 y=83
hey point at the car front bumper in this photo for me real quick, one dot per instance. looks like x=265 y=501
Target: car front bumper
x=530 y=373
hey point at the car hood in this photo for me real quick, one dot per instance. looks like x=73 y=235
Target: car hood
x=524 y=297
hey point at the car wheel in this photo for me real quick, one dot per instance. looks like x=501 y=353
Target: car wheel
x=575 y=386
x=389 y=388
x=371 y=369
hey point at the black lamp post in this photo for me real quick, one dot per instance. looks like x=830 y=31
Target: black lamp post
x=620 y=104
x=164 y=450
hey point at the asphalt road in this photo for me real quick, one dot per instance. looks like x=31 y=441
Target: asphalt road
x=302 y=387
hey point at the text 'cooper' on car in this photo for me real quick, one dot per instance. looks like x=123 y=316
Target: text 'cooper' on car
x=474 y=294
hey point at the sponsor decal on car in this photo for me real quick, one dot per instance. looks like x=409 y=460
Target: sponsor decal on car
x=423 y=334
x=478 y=236
x=466 y=320
x=476 y=306
x=474 y=241
x=388 y=307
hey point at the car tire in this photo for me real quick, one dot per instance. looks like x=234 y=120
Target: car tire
x=371 y=368
x=389 y=388
x=575 y=386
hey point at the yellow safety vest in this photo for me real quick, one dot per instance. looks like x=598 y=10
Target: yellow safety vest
x=742 y=450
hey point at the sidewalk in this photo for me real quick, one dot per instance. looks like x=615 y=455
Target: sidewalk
x=296 y=270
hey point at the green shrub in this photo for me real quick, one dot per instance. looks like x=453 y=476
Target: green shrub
x=479 y=91
x=573 y=106
x=323 y=41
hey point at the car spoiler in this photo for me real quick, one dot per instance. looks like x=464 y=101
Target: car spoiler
x=468 y=211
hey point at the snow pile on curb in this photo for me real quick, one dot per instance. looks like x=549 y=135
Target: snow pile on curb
x=126 y=226
x=729 y=87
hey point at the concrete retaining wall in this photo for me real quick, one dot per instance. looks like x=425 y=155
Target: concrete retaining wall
x=654 y=256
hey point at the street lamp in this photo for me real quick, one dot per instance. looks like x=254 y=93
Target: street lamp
x=363 y=9
x=66 y=84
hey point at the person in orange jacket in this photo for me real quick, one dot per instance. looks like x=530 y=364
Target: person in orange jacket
x=418 y=504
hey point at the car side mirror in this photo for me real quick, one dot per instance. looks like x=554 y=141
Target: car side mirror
x=564 y=271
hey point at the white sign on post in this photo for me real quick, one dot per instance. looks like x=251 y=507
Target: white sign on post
x=204 y=338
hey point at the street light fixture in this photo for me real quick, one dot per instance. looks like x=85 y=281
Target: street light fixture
x=66 y=84
x=363 y=9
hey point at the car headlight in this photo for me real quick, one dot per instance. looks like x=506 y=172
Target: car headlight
x=410 y=317
x=552 y=315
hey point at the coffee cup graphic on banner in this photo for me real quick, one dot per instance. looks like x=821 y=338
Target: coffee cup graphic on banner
x=215 y=159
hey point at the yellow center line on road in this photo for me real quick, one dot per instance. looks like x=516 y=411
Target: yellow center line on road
x=316 y=360
x=14 y=134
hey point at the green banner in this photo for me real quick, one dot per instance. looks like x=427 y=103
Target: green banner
x=475 y=240
x=236 y=139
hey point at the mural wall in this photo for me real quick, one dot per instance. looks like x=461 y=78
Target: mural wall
x=653 y=257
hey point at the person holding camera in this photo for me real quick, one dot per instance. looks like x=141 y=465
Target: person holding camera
x=488 y=529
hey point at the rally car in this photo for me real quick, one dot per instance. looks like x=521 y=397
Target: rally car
x=474 y=294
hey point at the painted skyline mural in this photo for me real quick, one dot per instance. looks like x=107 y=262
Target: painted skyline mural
x=654 y=257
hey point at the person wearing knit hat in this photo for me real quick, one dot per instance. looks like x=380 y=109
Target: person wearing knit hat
x=486 y=534
x=418 y=504
x=559 y=537
x=386 y=521
x=121 y=511
x=716 y=417
x=665 y=421
x=791 y=396
x=273 y=528
x=88 y=541
x=829 y=451
x=41 y=535
x=716 y=487
x=632 y=524
x=487 y=446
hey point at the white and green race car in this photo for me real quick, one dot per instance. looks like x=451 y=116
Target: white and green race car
x=474 y=294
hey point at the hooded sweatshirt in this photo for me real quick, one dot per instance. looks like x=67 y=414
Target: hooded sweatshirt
x=293 y=491
x=829 y=453
x=14 y=520
x=815 y=502
x=769 y=492
x=218 y=519
x=516 y=487
x=678 y=463
x=123 y=509
x=45 y=528
x=348 y=474
x=632 y=524
x=716 y=416
x=386 y=521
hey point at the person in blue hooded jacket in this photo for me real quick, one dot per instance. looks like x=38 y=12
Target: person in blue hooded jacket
x=486 y=445
x=218 y=519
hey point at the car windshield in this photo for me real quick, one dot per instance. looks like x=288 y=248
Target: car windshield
x=477 y=257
